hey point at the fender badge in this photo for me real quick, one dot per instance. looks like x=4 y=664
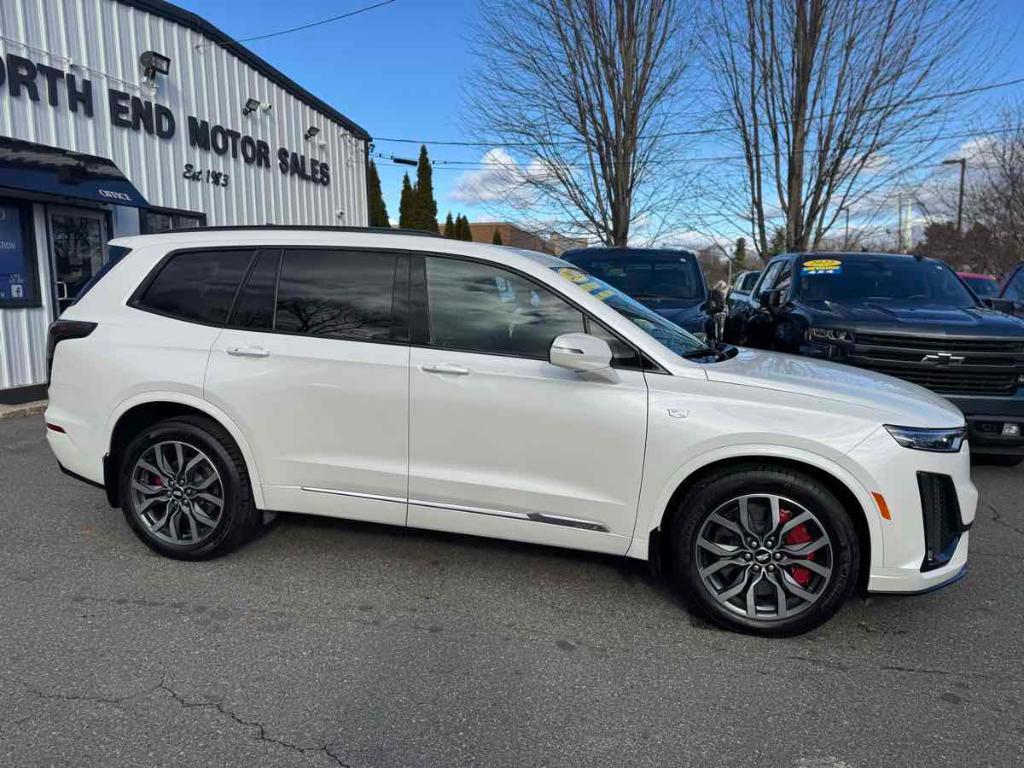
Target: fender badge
x=678 y=413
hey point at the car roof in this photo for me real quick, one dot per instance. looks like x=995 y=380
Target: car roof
x=619 y=251
x=274 y=236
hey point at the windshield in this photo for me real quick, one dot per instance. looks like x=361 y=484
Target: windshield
x=650 y=322
x=983 y=286
x=881 y=279
x=665 y=275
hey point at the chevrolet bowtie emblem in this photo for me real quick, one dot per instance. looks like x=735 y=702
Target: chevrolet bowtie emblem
x=943 y=358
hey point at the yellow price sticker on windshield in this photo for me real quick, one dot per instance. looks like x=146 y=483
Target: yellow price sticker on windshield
x=573 y=274
x=822 y=267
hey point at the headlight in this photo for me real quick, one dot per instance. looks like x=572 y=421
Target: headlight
x=940 y=440
x=829 y=334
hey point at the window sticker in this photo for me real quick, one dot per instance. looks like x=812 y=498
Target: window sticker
x=573 y=274
x=822 y=267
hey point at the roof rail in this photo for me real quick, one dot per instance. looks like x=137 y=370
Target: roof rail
x=303 y=227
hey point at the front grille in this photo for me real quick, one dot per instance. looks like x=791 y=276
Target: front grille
x=952 y=381
x=942 y=522
x=981 y=366
x=940 y=343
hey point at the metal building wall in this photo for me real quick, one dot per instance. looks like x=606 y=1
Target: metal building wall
x=100 y=40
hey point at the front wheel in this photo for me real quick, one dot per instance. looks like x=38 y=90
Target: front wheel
x=764 y=550
x=185 y=490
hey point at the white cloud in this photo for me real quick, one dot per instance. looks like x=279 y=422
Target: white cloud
x=501 y=180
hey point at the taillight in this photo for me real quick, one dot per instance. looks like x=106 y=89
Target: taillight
x=62 y=330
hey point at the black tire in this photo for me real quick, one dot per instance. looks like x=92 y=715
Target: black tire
x=238 y=518
x=997 y=459
x=714 y=494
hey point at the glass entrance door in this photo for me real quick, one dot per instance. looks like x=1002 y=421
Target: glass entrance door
x=78 y=238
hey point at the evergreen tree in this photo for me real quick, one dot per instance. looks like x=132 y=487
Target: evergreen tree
x=778 y=243
x=449 y=227
x=740 y=253
x=426 y=205
x=462 y=230
x=378 y=210
x=406 y=212
x=496 y=238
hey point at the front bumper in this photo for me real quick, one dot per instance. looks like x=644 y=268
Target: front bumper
x=985 y=418
x=915 y=581
x=900 y=552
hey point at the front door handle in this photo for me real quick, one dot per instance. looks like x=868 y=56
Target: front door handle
x=248 y=352
x=449 y=368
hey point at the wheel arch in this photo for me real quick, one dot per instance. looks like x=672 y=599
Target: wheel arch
x=141 y=411
x=850 y=492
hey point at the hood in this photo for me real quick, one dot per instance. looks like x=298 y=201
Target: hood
x=686 y=313
x=895 y=401
x=909 y=318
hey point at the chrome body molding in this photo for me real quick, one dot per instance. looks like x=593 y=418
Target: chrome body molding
x=355 y=494
x=536 y=517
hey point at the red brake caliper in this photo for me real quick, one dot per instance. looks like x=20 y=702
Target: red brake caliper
x=796 y=536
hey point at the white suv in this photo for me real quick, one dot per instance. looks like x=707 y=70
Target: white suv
x=217 y=375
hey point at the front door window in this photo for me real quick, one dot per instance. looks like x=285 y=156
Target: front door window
x=79 y=242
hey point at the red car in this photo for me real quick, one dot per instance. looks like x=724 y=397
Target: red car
x=985 y=286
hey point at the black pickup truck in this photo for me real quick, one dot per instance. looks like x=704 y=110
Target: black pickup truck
x=904 y=316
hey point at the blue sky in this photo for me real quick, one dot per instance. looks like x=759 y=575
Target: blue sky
x=399 y=70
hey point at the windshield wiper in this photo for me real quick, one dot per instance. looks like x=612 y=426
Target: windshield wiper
x=699 y=352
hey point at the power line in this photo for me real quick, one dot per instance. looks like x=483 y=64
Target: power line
x=710 y=131
x=482 y=165
x=311 y=24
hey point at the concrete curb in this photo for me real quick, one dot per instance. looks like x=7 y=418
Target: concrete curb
x=23 y=409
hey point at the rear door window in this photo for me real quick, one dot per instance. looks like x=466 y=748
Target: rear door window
x=337 y=294
x=197 y=285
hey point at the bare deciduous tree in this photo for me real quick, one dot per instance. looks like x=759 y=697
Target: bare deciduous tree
x=824 y=97
x=996 y=191
x=992 y=240
x=585 y=89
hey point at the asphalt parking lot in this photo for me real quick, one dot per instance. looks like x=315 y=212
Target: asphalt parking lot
x=332 y=643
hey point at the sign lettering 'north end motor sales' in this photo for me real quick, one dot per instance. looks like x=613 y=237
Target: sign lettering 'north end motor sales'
x=38 y=81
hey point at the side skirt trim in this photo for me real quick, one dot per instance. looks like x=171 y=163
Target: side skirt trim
x=536 y=517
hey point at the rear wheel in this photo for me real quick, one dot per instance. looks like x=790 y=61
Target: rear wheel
x=764 y=550
x=185 y=490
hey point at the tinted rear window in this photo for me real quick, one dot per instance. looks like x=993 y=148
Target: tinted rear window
x=198 y=285
x=338 y=294
x=114 y=254
x=654 y=276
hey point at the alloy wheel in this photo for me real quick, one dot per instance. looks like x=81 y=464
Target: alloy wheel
x=764 y=557
x=177 y=492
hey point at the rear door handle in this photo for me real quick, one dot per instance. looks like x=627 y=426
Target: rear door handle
x=449 y=368
x=248 y=352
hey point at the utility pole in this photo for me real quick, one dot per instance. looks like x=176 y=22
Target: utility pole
x=846 y=235
x=962 y=162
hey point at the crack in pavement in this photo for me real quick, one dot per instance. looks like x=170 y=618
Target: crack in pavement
x=997 y=518
x=261 y=731
x=50 y=695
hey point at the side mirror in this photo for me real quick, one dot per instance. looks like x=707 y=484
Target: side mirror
x=1000 y=305
x=771 y=299
x=581 y=352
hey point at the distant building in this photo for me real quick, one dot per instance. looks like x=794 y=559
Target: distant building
x=517 y=237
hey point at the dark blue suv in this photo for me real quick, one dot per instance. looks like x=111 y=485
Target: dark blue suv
x=667 y=280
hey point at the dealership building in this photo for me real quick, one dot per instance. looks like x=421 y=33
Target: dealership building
x=121 y=117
